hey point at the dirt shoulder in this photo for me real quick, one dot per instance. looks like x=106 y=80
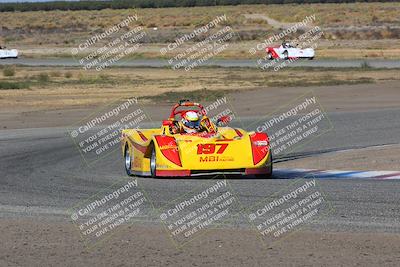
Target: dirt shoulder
x=47 y=96
x=18 y=110
x=46 y=88
x=364 y=159
x=30 y=242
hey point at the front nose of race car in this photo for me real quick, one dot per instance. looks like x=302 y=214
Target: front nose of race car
x=249 y=151
x=189 y=155
x=308 y=52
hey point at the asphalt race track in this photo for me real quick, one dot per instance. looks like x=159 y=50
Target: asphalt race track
x=43 y=175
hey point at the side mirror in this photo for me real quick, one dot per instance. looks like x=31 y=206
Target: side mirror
x=224 y=120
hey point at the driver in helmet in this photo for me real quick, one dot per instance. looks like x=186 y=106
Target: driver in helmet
x=192 y=123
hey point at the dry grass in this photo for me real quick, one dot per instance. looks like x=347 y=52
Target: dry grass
x=349 y=14
x=74 y=87
x=35 y=32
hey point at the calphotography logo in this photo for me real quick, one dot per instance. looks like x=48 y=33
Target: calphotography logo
x=293 y=126
x=110 y=210
x=283 y=34
x=199 y=46
x=196 y=212
x=103 y=50
x=215 y=116
x=297 y=41
x=100 y=133
x=219 y=109
x=288 y=210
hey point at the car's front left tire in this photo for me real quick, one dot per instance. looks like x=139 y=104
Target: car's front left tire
x=285 y=55
x=128 y=161
x=153 y=162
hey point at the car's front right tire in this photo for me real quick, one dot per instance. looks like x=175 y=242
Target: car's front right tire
x=269 y=165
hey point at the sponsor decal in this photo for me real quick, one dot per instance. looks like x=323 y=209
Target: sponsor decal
x=215 y=158
x=168 y=147
x=211 y=148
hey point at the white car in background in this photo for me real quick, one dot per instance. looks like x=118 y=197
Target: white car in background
x=288 y=51
x=8 y=53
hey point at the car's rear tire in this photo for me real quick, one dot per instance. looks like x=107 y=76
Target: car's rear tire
x=310 y=58
x=128 y=161
x=153 y=162
x=270 y=168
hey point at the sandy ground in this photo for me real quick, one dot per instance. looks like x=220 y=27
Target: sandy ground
x=85 y=88
x=33 y=242
x=363 y=159
x=252 y=102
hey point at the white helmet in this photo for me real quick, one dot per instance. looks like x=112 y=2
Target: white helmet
x=191 y=122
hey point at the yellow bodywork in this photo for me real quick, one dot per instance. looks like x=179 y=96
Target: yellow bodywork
x=228 y=149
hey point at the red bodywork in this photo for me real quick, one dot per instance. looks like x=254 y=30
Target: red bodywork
x=272 y=51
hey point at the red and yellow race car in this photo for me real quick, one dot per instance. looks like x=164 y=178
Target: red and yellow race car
x=212 y=149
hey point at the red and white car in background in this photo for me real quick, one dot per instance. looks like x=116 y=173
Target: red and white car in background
x=288 y=51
